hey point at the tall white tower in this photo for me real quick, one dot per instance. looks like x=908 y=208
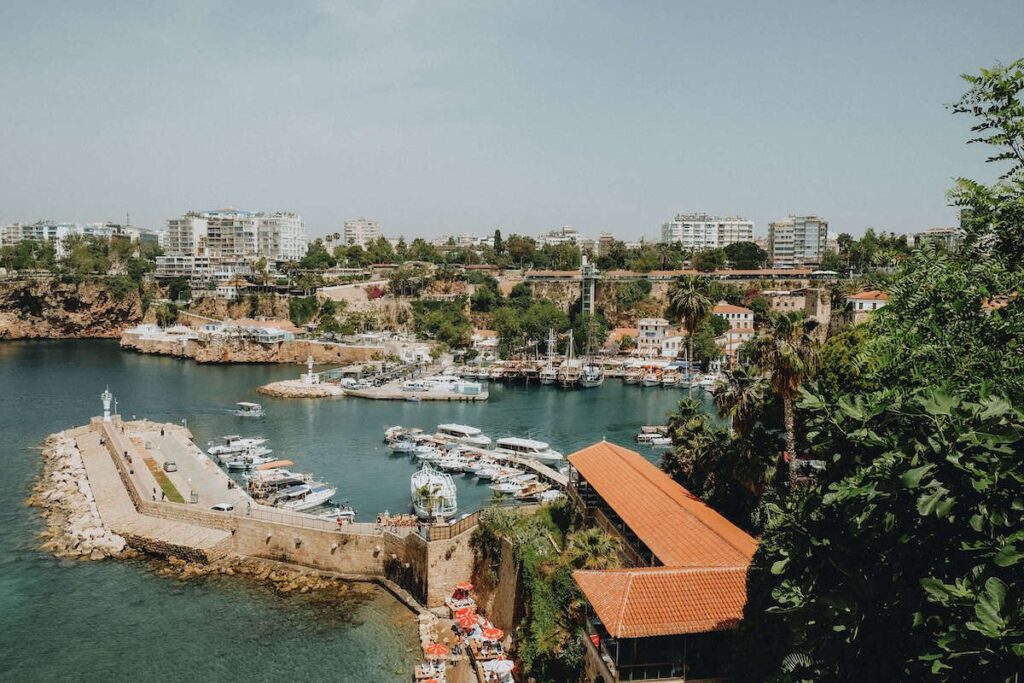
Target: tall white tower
x=106 y=397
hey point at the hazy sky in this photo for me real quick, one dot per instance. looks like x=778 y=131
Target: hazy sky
x=449 y=117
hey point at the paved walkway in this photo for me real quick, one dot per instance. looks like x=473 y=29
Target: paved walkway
x=119 y=513
x=196 y=471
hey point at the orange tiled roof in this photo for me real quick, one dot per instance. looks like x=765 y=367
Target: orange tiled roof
x=552 y=273
x=725 y=307
x=658 y=601
x=871 y=295
x=679 y=528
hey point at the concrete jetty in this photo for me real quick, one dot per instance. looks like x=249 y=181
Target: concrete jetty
x=124 y=470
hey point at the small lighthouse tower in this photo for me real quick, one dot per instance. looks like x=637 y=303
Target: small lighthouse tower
x=309 y=377
x=106 y=397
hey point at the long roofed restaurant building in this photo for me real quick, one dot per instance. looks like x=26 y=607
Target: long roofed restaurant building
x=669 y=613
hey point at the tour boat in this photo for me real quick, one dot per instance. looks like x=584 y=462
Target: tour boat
x=452 y=463
x=632 y=376
x=549 y=373
x=532 y=489
x=235 y=444
x=403 y=447
x=669 y=378
x=303 y=496
x=246 y=409
x=527 y=448
x=650 y=379
x=591 y=376
x=471 y=436
x=433 y=493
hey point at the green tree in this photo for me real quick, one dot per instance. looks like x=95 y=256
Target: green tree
x=594 y=548
x=590 y=331
x=688 y=301
x=317 y=257
x=708 y=260
x=498 y=245
x=993 y=216
x=786 y=353
x=740 y=395
x=746 y=255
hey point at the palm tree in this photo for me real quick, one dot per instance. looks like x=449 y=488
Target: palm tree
x=739 y=393
x=428 y=493
x=594 y=548
x=688 y=300
x=787 y=356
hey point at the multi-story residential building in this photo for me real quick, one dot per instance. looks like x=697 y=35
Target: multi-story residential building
x=362 y=232
x=563 y=235
x=651 y=333
x=949 y=238
x=57 y=233
x=227 y=241
x=741 y=326
x=797 y=241
x=700 y=231
x=605 y=242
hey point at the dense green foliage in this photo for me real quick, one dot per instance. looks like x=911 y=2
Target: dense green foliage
x=301 y=309
x=746 y=255
x=905 y=560
x=547 y=550
x=444 y=321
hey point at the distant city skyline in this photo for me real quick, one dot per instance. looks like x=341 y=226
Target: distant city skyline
x=452 y=118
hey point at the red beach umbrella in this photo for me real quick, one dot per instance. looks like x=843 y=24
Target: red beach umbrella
x=465 y=612
x=464 y=586
x=436 y=650
x=493 y=633
x=466 y=621
x=431 y=680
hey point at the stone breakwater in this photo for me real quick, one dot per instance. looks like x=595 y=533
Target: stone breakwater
x=295 y=388
x=74 y=527
x=282 y=579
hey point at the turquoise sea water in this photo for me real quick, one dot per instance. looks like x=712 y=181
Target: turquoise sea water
x=69 y=620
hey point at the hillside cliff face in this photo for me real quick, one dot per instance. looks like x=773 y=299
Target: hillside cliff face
x=37 y=309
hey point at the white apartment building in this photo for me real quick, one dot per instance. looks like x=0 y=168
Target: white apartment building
x=797 y=241
x=948 y=238
x=57 y=233
x=700 y=231
x=200 y=244
x=361 y=231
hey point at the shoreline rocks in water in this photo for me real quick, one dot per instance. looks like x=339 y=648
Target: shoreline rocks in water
x=296 y=388
x=74 y=527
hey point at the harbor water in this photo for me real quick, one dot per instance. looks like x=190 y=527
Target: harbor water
x=111 y=620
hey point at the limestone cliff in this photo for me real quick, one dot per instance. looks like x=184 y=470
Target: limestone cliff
x=34 y=309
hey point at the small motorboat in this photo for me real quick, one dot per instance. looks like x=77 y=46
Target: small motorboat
x=248 y=462
x=235 y=444
x=253 y=452
x=303 y=496
x=341 y=515
x=661 y=441
x=246 y=409
x=508 y=487
x=403 y=447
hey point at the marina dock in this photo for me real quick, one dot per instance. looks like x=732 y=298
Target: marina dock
x=133 y=496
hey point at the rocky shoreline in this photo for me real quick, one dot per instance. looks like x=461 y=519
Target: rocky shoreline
x=74 y=527
x=296 y=388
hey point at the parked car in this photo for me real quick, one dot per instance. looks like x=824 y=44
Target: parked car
x=223 y=507
x=170 y=466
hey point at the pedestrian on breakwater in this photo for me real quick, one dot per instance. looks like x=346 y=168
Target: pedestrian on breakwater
x=163 y=496
x=161 y=431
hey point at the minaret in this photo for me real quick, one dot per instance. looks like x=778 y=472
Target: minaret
x=106 y=397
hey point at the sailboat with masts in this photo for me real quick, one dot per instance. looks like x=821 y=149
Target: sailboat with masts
x=549 y=373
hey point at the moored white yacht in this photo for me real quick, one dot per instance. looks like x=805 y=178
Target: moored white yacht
x=303 y=496
x=527 y=448
x=471 y=436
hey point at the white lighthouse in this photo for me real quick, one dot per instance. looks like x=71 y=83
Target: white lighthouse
x=106 y=397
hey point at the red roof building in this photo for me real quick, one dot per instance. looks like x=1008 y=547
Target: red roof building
x=684 y=585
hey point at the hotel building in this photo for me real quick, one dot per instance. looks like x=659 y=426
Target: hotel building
x=700 y=231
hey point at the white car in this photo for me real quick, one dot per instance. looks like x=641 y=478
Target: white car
x=223 y=507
